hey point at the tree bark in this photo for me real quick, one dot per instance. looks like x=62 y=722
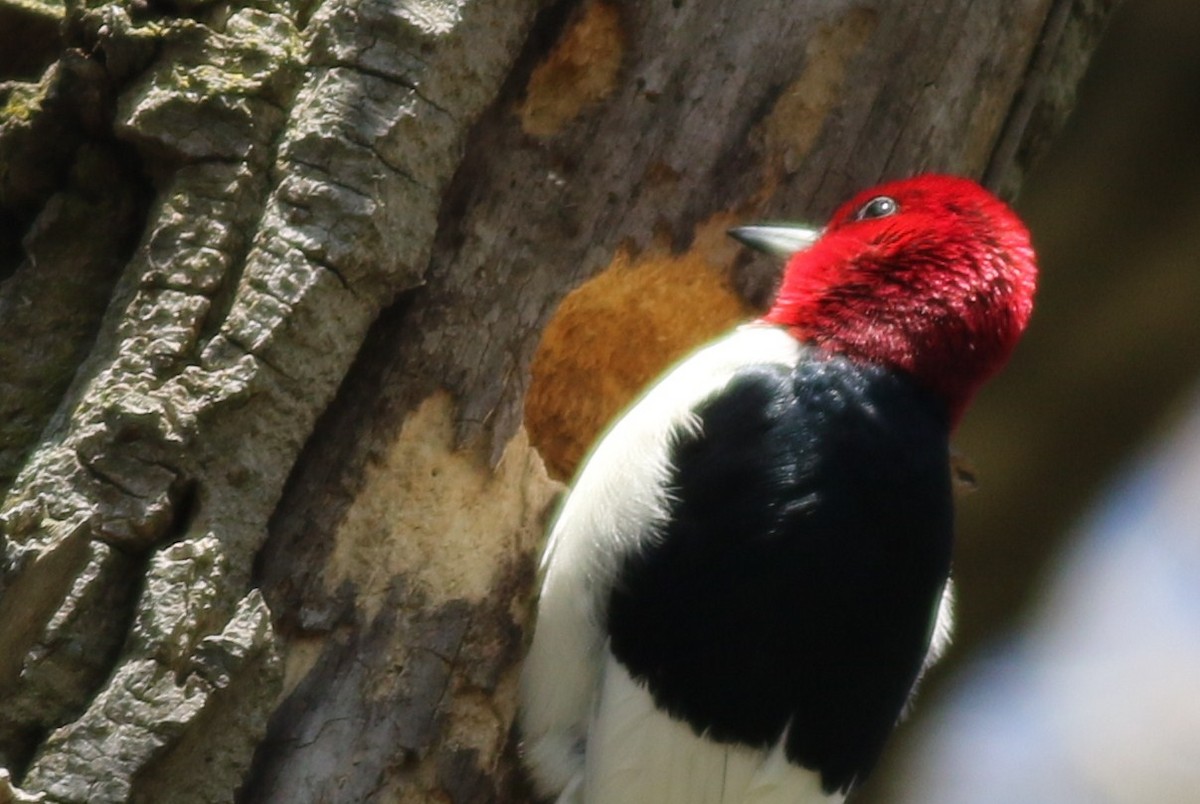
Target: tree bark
x=272 y=281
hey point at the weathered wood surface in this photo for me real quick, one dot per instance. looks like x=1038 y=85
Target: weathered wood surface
x=272 y=281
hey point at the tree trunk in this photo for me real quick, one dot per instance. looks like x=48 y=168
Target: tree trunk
x=272 y=281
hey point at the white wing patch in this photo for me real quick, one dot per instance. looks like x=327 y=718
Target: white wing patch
x=943 y=627
x=940 y=635
x=615 y=505
x=639 y=755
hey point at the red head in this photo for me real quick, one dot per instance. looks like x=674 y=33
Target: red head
x=931 y=275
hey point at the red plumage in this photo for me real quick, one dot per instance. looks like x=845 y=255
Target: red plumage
x=941 y=288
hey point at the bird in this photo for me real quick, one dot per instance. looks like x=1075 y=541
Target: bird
x=750 y=572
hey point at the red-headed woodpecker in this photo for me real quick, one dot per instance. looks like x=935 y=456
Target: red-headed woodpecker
x=752 y=567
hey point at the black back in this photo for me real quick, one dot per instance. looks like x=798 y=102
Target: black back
x=796 y=582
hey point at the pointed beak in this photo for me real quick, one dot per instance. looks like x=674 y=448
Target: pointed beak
x=777 y=239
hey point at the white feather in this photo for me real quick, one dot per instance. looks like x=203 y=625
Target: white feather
x=943 y=626
x=639 y=755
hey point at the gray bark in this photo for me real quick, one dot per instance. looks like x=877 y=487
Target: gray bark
x=272 y=281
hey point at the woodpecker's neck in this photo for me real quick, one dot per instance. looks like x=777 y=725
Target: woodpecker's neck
x=950 y=322
x=954 y=389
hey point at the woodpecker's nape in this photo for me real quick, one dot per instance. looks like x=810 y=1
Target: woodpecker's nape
x=752 y=568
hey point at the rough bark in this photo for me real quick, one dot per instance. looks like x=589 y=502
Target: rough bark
x=273 y=277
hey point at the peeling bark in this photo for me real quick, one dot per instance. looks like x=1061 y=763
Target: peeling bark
x=271 y=281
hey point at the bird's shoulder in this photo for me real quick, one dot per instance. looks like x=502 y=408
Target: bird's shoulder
x=618 y=496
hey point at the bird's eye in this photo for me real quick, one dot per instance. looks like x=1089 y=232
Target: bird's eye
x=878 y=207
